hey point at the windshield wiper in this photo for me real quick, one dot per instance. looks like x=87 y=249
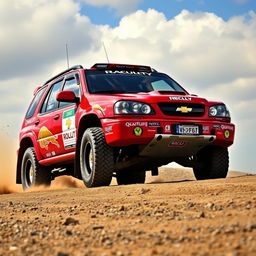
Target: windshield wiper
x=110 y=92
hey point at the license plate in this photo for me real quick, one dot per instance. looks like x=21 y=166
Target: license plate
x=187 y=129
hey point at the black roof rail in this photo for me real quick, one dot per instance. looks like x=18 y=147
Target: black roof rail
x=63 y=72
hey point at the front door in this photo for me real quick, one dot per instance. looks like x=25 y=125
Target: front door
x=65 y=125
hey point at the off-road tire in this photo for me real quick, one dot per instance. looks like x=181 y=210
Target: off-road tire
x=214 y=163
x=32 y=173
x=97 y=172
x=127 y=177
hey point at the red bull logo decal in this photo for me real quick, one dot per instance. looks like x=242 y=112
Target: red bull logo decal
x=45 y=138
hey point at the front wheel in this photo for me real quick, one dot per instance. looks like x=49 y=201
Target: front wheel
x=32 y=173
x=214 y=163
x=96 y=159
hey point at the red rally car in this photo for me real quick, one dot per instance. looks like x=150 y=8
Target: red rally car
x=118 y=120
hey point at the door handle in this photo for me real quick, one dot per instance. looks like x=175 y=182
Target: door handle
x=37 y=122
x=56 y=117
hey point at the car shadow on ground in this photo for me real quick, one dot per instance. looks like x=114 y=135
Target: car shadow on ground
x=166 y=181
x=189 y=180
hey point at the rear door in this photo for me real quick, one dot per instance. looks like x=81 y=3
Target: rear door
x=49 y=144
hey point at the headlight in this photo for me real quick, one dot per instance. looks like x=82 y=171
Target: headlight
x=219 y=111
x=132 y=107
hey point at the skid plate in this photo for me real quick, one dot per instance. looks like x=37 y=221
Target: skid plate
x=166 y=146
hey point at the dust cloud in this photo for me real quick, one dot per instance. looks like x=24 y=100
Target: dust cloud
x=59 y=183
x=8 y=156
x=8 y=160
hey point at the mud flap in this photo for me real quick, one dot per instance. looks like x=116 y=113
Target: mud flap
x=168 y=146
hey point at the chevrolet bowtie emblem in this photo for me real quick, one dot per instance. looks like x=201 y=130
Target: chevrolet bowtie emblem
x=184 y=109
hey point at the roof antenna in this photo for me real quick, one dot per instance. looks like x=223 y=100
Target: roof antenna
x=105 y=51
x=67 y=55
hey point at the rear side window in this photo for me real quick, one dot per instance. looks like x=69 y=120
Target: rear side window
x=50 y=102
x=70 y=85
x=34 y=103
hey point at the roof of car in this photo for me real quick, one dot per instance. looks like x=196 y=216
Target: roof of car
x=105 y=66
x=63 y=72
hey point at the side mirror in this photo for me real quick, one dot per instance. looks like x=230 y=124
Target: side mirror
x=67 y=96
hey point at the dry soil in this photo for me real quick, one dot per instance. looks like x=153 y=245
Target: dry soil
x=170 y=215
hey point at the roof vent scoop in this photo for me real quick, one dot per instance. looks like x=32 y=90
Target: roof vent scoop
x=172 y=92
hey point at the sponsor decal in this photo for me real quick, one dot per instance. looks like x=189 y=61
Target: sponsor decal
x=46 y=138
x=156 y=124
x=69 y=128
x=132 y=124
x=127 y=72
x=137 y=131
x=184 y=109
x=184 y=98
x=205 y=128
x=227 y=134
x=177 y=143
x=49 y=154
x=98 y=107
x=216 y=126
x=167 y=128
x=109 y=130
x=227 y=127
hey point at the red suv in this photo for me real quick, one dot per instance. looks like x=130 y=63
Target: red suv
x=120 y=120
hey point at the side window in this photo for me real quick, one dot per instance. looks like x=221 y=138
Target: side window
x=34 y=103
x=70 y=85
x=50 y=102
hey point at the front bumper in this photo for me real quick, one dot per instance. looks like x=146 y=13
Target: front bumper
x=126 y=132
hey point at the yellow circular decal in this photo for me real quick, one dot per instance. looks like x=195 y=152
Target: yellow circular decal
x=227 y=134
x=138 y=131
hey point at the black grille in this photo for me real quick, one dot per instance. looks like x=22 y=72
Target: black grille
x=170 y=109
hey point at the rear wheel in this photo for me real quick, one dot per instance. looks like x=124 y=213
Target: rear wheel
x=96 y=159
x=32 y=173
x=214 y=163
x=128 y=176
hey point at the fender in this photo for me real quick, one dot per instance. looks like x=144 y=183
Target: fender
x=25 y=142
x=98 y=111
x=31 y=135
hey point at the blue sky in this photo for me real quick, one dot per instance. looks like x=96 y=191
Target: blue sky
x=226 y=9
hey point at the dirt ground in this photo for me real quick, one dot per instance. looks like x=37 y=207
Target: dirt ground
x=170 y=215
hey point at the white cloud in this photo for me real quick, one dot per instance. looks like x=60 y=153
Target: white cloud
x=37 y=32
x=209 y=49
x=122 y=7
x=209 y=56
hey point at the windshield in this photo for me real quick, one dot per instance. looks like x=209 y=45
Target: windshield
x=107 y=82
